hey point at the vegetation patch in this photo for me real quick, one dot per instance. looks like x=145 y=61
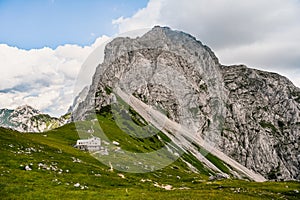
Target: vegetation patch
x=108 y=90
x=268 y=125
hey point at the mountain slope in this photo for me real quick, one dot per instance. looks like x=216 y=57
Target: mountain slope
x=251 y=115
x=155 y=117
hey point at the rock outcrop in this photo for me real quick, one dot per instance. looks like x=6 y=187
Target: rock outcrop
x=251 y=115
x=262 y=123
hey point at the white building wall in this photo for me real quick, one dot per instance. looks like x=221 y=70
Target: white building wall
x=91 y=144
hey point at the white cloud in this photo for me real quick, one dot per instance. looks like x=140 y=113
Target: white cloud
x=262 y=34
x=144 y=18
x=43 y=78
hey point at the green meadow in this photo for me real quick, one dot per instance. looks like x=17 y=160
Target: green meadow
x=60 y=171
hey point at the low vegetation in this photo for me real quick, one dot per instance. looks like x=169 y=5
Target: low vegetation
x=47 y=166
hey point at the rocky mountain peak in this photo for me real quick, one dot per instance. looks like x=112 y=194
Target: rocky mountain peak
x=26 y=111
x=28 y=119
x=251 y=115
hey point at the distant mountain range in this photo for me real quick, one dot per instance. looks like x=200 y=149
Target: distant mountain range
x=27 y=119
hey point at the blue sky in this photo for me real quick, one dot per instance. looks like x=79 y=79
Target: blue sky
x=39 y=23
x=58 y=36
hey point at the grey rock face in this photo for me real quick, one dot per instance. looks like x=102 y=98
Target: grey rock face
x=169 y=70
x=251 y=115
x=262 y=128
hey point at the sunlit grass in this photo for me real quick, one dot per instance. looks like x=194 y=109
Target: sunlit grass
x=55 y=148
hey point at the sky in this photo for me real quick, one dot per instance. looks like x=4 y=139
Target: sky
x=43 y=43
x=35 y=24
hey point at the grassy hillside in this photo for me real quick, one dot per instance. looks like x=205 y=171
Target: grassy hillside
x=57 y=167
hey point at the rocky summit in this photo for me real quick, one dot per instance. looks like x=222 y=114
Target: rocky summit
x=250 y=115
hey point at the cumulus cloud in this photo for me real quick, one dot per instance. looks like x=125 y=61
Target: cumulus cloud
x=263 y=34
x=144 y=18
x=43 y=78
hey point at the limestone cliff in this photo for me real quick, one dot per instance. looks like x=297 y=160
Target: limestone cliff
x=253 y=116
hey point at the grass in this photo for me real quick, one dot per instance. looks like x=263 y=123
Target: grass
x=69 y=166
x=213 y=159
